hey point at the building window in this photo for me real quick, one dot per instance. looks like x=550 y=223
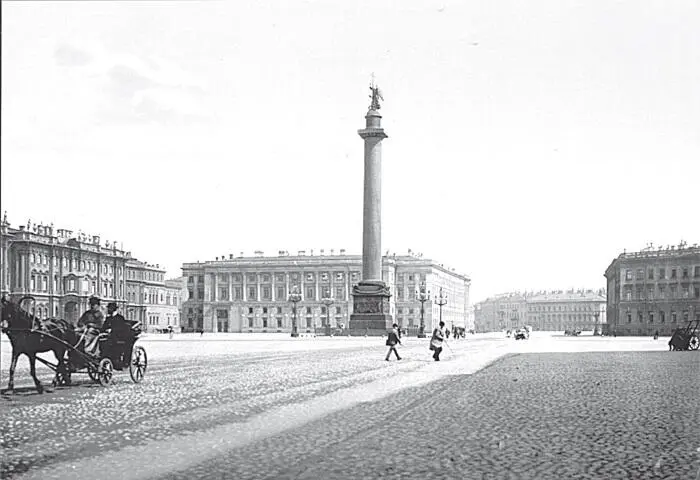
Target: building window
x=628 y=295
x=309 y=277
x=673 y=291
x=628 y=274
x=686 y=292
x=310 y=293
x=651 y=274
x=629 y=317
x=685 y=316
x=237 y=277
x=308 y=310
x=279 y=310
x=338 y=310
x=674 y=317
x=685 y=272
x=222 y=314
x=697 y=292
x=308 y=322
x=252 y=294
x=279 y=277
x=250 y=310
x=697 y=271
x=200 y=293
x=267 y=293
x=339 y=293
x=250 y=322
x=264 y=322
x=237 y=293
x=190 y=293
x=673 y=273
x=223 y=293
x=279 y=322
x=662 y=316
x=651 y=317
x=280 y=293
x=323 y=310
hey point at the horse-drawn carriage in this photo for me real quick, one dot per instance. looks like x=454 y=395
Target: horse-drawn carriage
x=687 y=338
x=30 y=336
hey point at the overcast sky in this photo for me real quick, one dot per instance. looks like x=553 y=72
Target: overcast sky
x=529 y=142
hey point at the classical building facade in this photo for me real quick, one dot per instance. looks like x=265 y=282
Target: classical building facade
x=557 y=311
x=505 y=311
x=653 y=290
x=548 y=311
x=61 y=270
x=251 y=294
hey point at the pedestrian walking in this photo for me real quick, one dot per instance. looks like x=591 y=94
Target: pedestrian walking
x=436 y=341
x=392 y=341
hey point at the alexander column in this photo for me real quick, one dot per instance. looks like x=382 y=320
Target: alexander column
x=371 y=313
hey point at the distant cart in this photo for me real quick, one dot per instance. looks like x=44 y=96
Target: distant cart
x=687 y=338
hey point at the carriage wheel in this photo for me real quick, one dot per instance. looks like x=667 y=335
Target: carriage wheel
x=138 y=364
x=694 y=342
x=92 y=373
x=105 y=371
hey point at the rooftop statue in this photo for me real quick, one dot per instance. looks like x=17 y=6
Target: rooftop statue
x=376 y=96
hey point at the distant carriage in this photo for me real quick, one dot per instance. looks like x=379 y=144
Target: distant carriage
x=30 y=336
x=687 y=338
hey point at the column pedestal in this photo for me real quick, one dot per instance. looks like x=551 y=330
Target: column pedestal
x=371 y=311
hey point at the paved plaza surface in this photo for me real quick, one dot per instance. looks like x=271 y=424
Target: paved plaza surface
x=273 y=407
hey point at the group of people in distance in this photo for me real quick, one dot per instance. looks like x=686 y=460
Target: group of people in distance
x=93 y=322
x=436 y=340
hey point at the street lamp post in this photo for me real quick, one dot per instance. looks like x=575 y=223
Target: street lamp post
x=440 y=301
x=328 y=301
x=422 y=296
x=294 y=297
x=596 y=331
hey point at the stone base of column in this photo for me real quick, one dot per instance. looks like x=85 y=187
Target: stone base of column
x=370 y=309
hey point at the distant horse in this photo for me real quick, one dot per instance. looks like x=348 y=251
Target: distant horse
x=18 y=326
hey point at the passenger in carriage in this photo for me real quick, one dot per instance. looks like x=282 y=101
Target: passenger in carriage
x=89 y=324
x=119 y=331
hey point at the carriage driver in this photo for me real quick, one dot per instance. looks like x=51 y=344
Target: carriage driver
x=119 y=329
x=90 y=322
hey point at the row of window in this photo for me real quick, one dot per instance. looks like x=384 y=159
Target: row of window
x=280 y=322
x=40 y=283
x=91 y=266
x=660 y=316
x=266 y=293
x=661 y=273
x=222 y=314
x=650 y=294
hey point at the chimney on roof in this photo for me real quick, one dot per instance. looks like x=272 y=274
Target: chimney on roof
x=342 y=251
x=230 y=256
x=301 y=253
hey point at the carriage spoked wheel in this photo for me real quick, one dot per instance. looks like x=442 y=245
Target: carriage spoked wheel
x=694 y=342
x=138 y=364
x=104 y=373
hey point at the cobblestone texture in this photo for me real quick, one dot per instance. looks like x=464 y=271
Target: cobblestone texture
x=632 y=415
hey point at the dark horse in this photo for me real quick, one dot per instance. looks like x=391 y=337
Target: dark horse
x=27 y=337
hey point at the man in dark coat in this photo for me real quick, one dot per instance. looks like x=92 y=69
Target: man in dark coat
x=119 y=331
x=392 y=341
